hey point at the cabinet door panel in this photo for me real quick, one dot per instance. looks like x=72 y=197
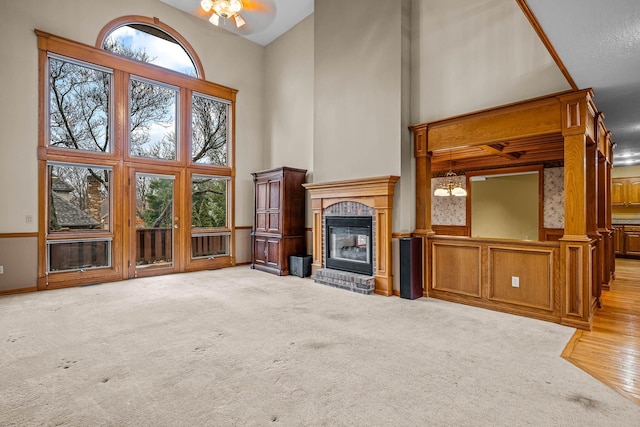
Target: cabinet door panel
x=618 y=193
x=261 y=221
x=618 y=240
x=274 y=194
x=633 y=192
x=273 y=253
x=260 y=250
x=632 y=244
x=261 y=195
x=261 y=206
x=274 y=222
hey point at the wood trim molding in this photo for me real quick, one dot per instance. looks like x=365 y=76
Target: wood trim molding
x=48 y=42
x=524 y=6
x=18 y=291
x=18 y=235
x=400 y=235
x=531 y=118
x=370 y=188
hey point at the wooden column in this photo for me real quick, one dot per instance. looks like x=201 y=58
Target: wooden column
x=423 y=196
x=384 y=226
x=575 y=246
x=423 y=181
x=316 y=207
x=605 y=230
x=591 y=169
x=609 y=165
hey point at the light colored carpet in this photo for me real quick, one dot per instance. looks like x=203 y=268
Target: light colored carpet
x=241 y=347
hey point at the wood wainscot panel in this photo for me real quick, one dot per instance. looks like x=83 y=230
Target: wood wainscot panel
x=532 y=270
x=479 y=271
x=552 y=234
x=456 y=268
x=450 y=230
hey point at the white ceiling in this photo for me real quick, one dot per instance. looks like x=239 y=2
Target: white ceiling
x=599 y=43
x=597 y=40
x=266 y=20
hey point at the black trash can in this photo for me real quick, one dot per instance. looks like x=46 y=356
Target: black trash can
x=300 y=265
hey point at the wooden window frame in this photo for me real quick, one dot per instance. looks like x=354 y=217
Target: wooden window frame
x=118 y=159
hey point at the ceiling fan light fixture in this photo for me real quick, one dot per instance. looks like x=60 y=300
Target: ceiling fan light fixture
x=206 y=5
x=226 y=9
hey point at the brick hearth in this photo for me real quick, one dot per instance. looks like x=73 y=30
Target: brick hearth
x=354 y=282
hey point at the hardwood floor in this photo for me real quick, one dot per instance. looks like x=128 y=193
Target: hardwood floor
x=610 y=352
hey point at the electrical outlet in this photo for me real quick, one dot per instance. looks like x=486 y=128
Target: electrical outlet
x=28 y=219
x=515 y=281
x=1 y=269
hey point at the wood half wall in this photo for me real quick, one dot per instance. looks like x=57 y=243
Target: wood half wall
x=563 y=128
x=518 y=277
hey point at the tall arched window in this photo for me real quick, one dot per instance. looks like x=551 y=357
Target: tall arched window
x=136 y=157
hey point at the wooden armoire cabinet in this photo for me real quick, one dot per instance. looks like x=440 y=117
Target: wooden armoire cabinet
x=278 y=230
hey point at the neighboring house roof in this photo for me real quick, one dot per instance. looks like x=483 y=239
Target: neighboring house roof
x=69 y=215
x=60 y=185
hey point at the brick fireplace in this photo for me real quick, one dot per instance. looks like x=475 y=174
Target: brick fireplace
x=356 y=198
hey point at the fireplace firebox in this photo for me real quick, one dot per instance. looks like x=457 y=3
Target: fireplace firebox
x=349 y=243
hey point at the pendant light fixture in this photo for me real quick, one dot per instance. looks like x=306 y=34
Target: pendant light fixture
x=451 y=184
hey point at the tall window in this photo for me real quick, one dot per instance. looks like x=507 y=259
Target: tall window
x=153 y=111
x=209 y=216
x=135 y=107
x=209 y=130
x=79 y=105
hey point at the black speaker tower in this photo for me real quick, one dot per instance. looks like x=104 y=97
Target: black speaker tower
x=411 y=267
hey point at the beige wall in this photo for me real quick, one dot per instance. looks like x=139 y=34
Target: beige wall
x=289 y=101
x=505 y=207
x=289 y=98
x=20 y=267
x=471 y=55
x=358 y=58
x=625 y=171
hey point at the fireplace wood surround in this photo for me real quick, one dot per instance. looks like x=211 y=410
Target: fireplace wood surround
x=377 y=193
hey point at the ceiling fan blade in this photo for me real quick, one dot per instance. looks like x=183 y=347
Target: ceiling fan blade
x=259 y=5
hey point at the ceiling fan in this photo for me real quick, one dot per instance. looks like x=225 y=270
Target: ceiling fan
x=236 y=11
x=264 y=20
x=225 y=9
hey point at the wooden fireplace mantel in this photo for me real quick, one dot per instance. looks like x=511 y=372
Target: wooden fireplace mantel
x=377 y=193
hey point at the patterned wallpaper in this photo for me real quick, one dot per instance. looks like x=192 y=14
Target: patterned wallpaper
x=554 y=198
x=448 y=210
x=453 y=210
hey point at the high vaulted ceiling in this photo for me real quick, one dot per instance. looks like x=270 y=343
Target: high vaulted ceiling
x=598 y=42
